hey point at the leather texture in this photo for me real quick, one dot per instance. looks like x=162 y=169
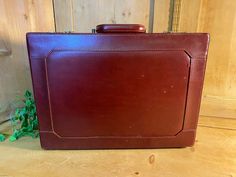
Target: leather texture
x=117 y=90
x=120 y=28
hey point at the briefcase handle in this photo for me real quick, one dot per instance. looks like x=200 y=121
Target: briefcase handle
x=120 y=28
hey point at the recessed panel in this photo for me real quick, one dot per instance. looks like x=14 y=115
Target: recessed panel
x=117 y=93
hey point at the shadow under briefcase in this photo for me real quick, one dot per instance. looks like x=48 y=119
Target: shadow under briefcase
x=117 y=88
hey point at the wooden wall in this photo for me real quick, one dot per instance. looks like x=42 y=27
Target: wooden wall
x=213 y=16
x=17 y=18
x=84 y=15
x=219 y=19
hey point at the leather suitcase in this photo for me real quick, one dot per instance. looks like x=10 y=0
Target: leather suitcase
x=117 y=88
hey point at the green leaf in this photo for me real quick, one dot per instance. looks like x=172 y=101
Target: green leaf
x=28 y=103
x=27 y=94
x=12 y=138
x=2 y=137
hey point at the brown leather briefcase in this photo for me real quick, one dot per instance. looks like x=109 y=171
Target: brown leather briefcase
x=117 y=88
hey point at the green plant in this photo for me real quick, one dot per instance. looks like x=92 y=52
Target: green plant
x=24 y=120
x=2 y=137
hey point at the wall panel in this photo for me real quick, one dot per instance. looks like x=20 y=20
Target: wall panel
x=84 y=15
x=161 y=16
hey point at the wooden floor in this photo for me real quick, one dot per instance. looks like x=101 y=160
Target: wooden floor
x=213 y=155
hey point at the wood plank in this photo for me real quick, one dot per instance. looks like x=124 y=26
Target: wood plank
x=218 y=106
x=63 y=15
x=217 y=122
x=19 y=17
x=212 y=155
x=84 y=15
x=161 y=16
x=189 y=15
x=4 y=45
